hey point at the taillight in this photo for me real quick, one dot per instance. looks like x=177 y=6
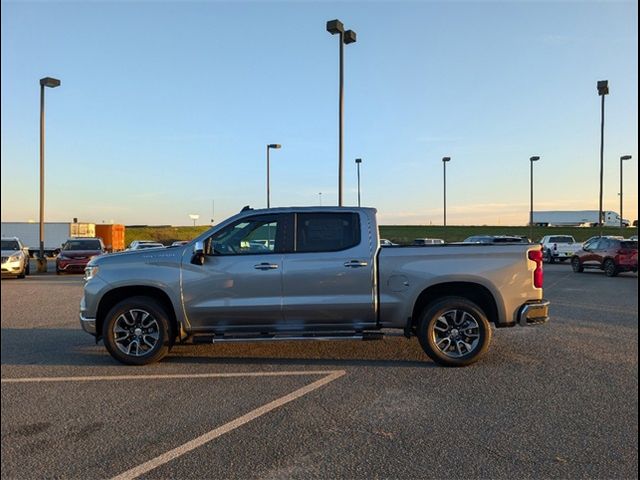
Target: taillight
x=538 y=275
x=555 y=246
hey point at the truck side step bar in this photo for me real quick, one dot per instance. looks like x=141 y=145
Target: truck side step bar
x=275 y=337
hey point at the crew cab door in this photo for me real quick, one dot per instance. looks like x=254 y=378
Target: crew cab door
x=328 y=280
x=239 y=286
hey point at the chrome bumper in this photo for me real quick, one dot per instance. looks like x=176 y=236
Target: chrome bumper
x=535 y=312
x=88 y=324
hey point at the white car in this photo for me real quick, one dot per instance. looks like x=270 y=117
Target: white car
x=15 y=259
x=427 y=241
x=387 y=243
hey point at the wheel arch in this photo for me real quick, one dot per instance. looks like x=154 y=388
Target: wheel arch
x=475 y=292
x=116 y=295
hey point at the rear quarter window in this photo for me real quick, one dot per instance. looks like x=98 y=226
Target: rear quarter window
x=327 y=232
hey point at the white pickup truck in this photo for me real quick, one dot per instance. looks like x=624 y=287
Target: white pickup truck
x=558 y=248
x=310 y=273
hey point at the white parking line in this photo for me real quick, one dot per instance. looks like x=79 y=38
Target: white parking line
x=330 y=376
x=167 y=376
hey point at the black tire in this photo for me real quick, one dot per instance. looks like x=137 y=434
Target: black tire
x=576 y=265
x=550 y=258
x=27 y=270
x=127 y=313
x=22 y=274
x=609 y=267
x=440 y=313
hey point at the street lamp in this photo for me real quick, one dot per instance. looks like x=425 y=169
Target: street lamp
x=445 y=160
x=51 y=83
x=346 y=37
x=270 y=146
x=603 y=89
x=531 y=160
x=358 y=162
x=622 y=158
x=320 y=197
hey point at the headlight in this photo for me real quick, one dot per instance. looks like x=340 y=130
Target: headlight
x=15 y=257
x=90 y=272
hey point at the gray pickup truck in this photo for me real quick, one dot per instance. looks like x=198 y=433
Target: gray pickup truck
x=310 y=273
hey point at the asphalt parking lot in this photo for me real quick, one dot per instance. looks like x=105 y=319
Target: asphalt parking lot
x=555 y=401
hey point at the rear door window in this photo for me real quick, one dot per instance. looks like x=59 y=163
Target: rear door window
x=327 y=232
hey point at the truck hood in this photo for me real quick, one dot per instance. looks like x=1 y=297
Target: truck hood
x=140 y=256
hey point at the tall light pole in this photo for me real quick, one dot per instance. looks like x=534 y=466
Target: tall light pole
x=531 y=160
x=335 y=27
x=51 y=83
x=358 y=162
x=603 y=90
x=320 y=197
x=622 y=158
x=445 y=160
x=270 y=146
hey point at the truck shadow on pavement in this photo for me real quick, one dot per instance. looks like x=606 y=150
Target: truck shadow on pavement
x=72 y=347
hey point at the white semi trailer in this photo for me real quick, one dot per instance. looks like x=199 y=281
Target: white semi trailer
x=576 y=218
x=55 y=234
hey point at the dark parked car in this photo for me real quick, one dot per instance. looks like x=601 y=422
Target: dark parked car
x=76 y=253
x=611 y=254
x=492 y=239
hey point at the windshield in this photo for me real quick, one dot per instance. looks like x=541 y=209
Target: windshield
x=150 y=245
x=10 y=245
x=82 y=245
x=627 y=244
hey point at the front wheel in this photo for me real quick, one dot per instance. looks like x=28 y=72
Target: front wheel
x=137 y=331
x=454 y=332
x=610 y=269
x=576 y=265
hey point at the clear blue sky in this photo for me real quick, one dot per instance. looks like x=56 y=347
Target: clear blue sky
x=167 y=106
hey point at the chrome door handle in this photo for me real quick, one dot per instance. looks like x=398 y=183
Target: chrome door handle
x=355 y=264
x=265 y=266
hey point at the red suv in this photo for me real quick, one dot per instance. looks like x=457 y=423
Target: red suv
x=76 y=253
x=613 y=255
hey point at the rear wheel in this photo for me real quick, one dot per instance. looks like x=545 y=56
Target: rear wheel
x=576 y=265
x=454 y=332
x=550 y=258
x=609 y=267
x=137 y=331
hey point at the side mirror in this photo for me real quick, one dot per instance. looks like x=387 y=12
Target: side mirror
x=198 y=253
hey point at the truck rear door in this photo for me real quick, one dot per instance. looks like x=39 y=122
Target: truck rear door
x=328 y=280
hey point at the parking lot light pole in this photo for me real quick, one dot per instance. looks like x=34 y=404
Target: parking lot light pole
x=622 y=159
x=51 y=83
x=270 y=146
x=603 y=90
x=358 y=162
x=531 y=160
x=320 y=197
x=445 y=160
x=335 y=27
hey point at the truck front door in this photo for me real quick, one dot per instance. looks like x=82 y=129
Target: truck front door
x=239 y=286
x=328 y=281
